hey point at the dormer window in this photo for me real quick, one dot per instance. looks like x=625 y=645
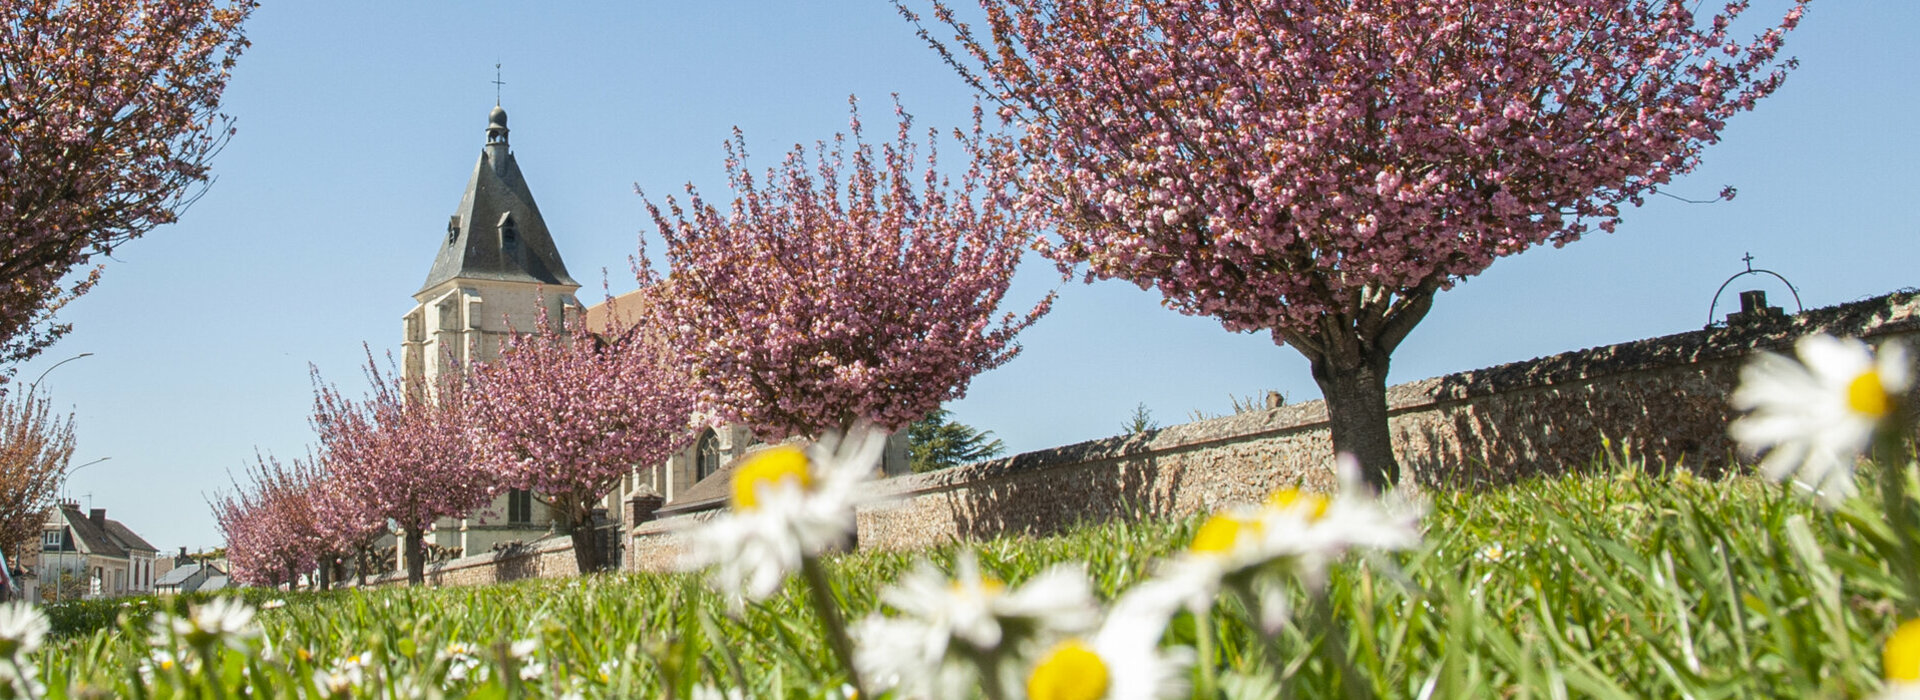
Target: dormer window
x=509 y=231
x=453 y=228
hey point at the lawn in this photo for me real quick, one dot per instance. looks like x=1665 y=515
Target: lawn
x=1619 y=582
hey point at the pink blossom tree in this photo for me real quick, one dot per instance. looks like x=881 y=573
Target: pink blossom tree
x=269 y=524
x=404 y=454
x=1320 y=169
x=865 y=285
x=567 y=415
x=111 y=121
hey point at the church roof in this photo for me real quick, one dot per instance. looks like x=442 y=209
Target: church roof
x=497 y=233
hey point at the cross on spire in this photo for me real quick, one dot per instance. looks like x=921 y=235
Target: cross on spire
x=1749 y=259
x=496 y=84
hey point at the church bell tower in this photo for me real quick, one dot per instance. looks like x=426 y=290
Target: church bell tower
x=495 y=271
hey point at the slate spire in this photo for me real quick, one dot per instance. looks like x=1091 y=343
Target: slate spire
x=497 y=233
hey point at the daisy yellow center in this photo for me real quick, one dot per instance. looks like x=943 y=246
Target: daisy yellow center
x=1220 y=533
x=1314 y=504
x=1070 y=672
x=1900 y=661
x=766 y=469
x=988 y=585
x=1867 y=396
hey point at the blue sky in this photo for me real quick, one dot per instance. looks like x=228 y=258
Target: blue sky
x=359 y=122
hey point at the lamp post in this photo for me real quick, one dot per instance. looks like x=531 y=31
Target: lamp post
x=35 y=384
x=59 y=569
x=69 y=473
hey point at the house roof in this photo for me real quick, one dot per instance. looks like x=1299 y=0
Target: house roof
x=89 y=537
x=614 y=315
x=214 y=583
x=179 y=574
x=125 y=537
x=497 y=233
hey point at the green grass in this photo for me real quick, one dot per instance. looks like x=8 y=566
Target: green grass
x=1621 y=584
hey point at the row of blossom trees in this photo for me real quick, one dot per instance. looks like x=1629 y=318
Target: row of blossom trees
x=561 y=414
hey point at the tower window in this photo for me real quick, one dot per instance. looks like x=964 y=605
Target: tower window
x=453 y=229
x=509 y=231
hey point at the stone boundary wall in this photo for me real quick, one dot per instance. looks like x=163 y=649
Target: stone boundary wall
x=1665 y=397
x=551 y=557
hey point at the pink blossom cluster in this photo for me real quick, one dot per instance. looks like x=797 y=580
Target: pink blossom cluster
x=568 y=414
x=860 y=284
x=1280 y=164
x=107 y=123
x=271 y=523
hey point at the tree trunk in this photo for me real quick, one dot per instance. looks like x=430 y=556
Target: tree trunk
x=1356 y=394
x=416 y=556
x=360 y=565
x=578 y=519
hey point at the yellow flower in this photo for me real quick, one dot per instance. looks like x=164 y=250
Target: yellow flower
x=1222 y=532
x=1314 y=504
x=767 y=469
x=1071 y=671
x=1900 y=661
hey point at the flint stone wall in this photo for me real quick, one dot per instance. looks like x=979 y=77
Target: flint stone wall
x=1665 y=398
x=551 y=557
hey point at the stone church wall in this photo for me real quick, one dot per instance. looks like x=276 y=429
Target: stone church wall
x=1664 y=397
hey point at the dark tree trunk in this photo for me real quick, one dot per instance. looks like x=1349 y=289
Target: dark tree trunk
x=360 y=565
x=326 y=572
x=1350 y=353
x=1356 y=397
x=416 y=556
x=577 y=517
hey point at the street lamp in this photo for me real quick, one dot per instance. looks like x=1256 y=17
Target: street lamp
x=69 y=473
x=59 y=579
x=43 y=375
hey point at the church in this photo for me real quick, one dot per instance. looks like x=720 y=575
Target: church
x=496 y=271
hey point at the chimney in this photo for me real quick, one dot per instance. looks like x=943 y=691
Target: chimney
x=99 y=518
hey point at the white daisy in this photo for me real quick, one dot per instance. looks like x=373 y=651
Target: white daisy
x=533 y=670
x=223 y=621
x=1123 y=661
x=1810 y=419
x=948 y=627
x=343 y=677
x=22 y=628
x=1254 y=547
x=463 y=660
x=787 y=505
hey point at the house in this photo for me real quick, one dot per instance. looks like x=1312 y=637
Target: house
x=89 y=555
x=187 y=578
